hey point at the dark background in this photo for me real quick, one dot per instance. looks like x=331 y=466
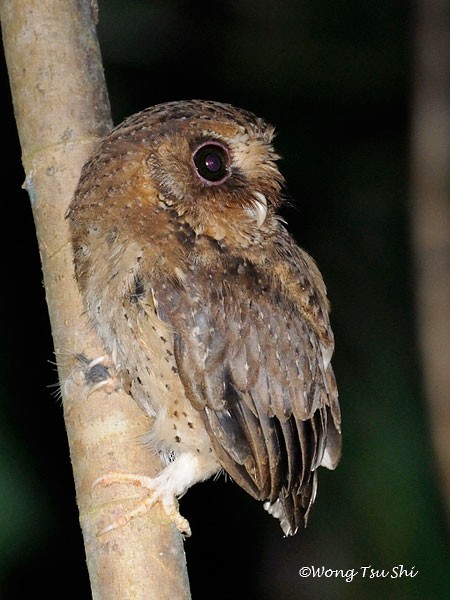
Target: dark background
x=335 y=77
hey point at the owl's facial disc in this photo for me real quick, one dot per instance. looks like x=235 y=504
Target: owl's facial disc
x=212 y=163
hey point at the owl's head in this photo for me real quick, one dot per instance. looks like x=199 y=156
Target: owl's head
x=210 y=162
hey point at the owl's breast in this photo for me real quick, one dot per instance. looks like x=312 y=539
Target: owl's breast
x=123 y=309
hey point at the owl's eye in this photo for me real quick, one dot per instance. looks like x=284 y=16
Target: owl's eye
x=212 y=162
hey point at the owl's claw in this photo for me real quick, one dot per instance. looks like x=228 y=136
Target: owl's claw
x=98 y=373
x=155 y=494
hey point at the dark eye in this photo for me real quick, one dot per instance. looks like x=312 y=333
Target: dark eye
x=212 y=163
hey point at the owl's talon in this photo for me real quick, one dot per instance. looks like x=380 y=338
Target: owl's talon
x=168 y=502
x=98 y=374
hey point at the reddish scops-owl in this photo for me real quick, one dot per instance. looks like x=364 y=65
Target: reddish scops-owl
x=215 y=320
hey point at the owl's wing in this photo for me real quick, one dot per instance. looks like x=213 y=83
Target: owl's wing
x=252 y=362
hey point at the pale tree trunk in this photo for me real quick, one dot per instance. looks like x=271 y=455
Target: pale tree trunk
x=62 y=109
x=431 y=216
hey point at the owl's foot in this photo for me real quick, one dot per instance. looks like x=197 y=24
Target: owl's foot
x=157 y=492
x=98 y=374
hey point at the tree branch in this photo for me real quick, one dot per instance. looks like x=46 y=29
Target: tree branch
x=62 y=109
x=431 y=217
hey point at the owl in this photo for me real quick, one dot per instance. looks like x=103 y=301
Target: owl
x=216 y=322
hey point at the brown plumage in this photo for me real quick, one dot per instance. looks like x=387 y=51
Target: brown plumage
x=216 y=321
